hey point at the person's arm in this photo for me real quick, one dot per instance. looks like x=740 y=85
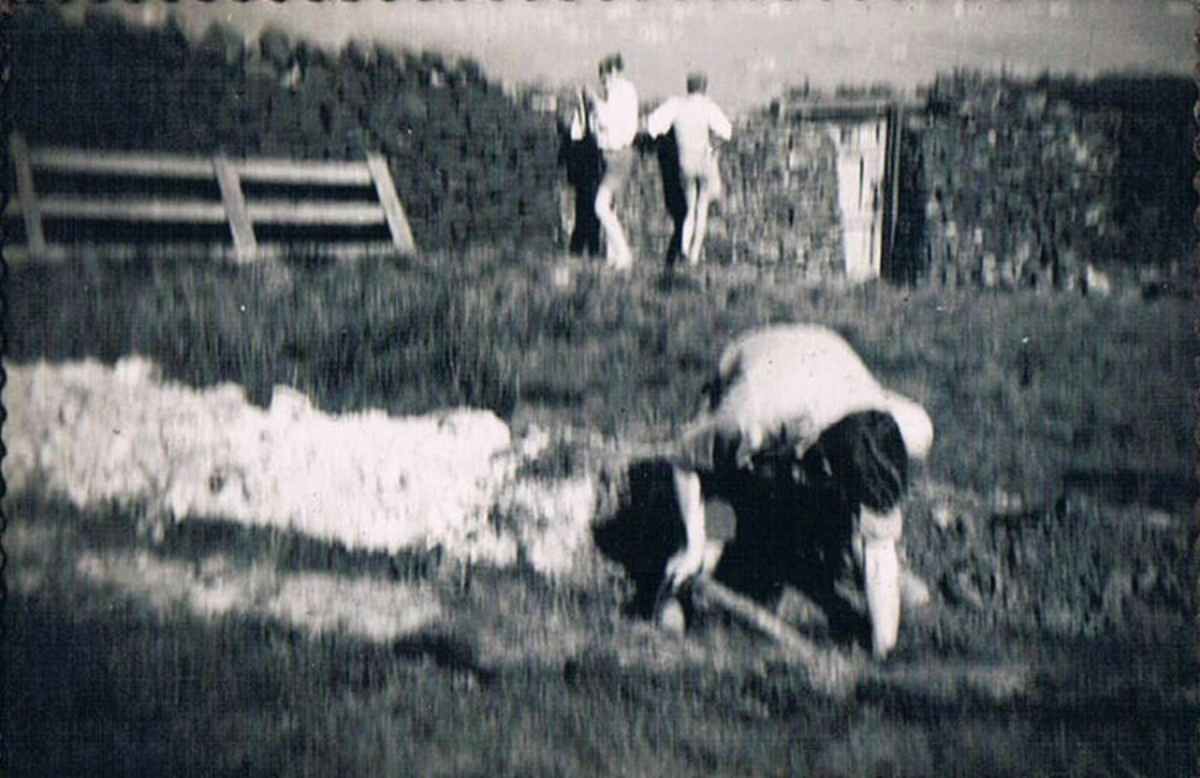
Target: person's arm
x=598 y=108
x=688 y=561
x=660 y=121
x=718 y=122
x=579 y=117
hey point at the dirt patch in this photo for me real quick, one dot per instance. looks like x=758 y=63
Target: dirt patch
x=1075 y=566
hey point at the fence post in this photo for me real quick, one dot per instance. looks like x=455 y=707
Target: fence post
x=397 y=221
x=35 y=238
x=244 y=243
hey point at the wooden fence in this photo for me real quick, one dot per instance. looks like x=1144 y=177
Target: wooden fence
x=303 y=209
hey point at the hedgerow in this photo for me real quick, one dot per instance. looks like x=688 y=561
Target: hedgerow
x=468 y=164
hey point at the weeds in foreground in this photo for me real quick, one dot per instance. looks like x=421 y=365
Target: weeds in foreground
x=98 y=681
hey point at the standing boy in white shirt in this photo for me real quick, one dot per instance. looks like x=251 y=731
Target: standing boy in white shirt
x=614 y=121
x=693 y=117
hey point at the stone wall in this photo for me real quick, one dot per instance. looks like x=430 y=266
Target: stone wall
x=471 y=164
x=1002 y=182
x=779 y=202
x=1047 y=184
x=1042 y=184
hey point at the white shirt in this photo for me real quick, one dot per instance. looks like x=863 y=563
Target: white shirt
x=803 y=378
x=615 y=118
x=693 y=117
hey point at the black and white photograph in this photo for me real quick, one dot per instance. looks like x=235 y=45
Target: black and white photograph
x=599 y=388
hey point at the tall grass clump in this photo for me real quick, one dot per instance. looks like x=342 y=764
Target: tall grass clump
x=1021 y=386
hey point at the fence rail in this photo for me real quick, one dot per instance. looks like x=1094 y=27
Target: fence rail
x=233 y=207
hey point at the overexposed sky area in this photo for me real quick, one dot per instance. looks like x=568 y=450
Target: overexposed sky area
x=751 y=49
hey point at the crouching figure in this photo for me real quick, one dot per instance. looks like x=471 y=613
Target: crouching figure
x=810 y=455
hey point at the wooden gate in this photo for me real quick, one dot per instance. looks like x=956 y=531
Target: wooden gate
x=304 y=206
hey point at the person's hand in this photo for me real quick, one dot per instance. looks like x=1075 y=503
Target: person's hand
x=682 y=567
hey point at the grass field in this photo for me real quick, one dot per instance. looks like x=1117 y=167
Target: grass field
x=528 y=677
x=99 y=682
x=1022 y=388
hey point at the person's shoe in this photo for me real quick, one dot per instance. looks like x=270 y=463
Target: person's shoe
x=669 y=616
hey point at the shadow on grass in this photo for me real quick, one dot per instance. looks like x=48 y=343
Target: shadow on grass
x=1124 y=486
x=644 y=532
x=1121 y=701
x=117 y=527
x=94 y=682
x=763 y=553
x=125 y=693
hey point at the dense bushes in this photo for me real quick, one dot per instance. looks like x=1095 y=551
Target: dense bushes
x=1009 y=182
x=469 y=166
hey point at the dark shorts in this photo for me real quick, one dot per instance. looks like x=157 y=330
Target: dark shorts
x=618 y=164
x=804 y=503
x=861 y=456
x=776 y=531
x=720 y=518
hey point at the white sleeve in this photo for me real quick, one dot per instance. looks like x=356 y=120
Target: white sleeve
x=602 y=110
x=633 y=112
x=719 y=122
x=659 y=122
x=632 y=97
x=578 y=125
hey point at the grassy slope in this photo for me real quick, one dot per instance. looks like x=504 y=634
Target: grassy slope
x=101 y=682
x=1021 y=388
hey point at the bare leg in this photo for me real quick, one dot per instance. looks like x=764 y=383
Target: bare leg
x=691 y=196
x=616 y=246
x=690 y=559
x=881 y=575
x=703 y=198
